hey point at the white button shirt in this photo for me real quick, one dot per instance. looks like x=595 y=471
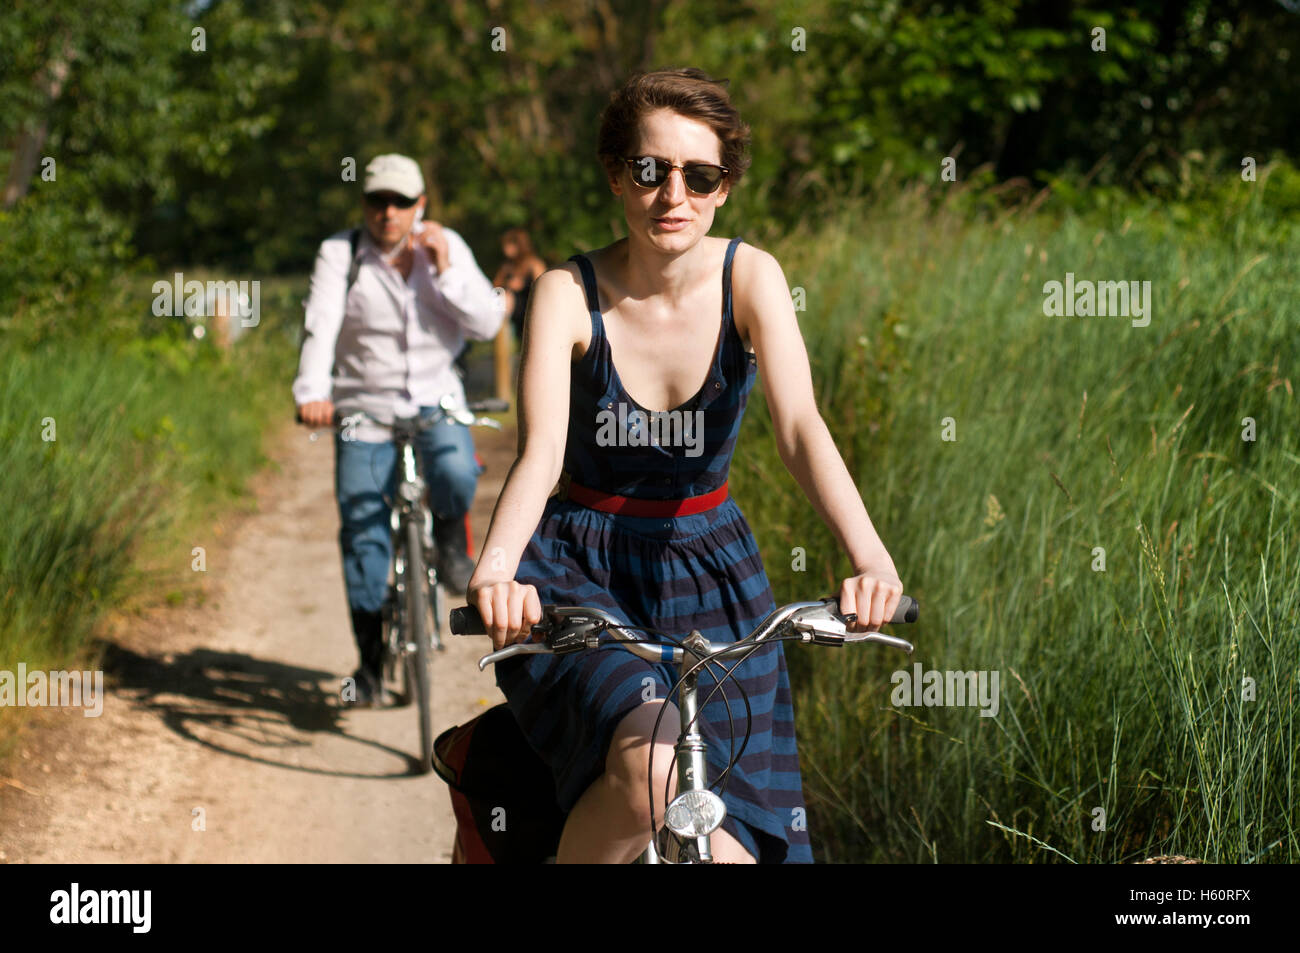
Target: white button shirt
x=388 y=349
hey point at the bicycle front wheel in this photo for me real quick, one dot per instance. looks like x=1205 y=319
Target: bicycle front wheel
x=417 y=630
x=397 y=673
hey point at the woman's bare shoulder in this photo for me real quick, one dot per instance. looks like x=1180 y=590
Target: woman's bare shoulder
x=753 y=271
x=557 y=301
x=756 y=280
x=750 y=259
x=564 y=275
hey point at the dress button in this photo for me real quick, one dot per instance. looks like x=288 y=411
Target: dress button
x=717 y=385
x=668 y=525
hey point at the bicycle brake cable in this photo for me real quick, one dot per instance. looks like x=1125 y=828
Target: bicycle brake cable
x=674 y=640
x=723 y=779
x=749 y=721
x=707 y=663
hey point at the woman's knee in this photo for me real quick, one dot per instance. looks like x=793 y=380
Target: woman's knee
x=628 y=761
x=727 y=849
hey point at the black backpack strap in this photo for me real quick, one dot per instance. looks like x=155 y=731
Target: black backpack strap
x=354 y=242
x=354 y=266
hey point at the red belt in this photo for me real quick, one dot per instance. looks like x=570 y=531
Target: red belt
x=628 y=506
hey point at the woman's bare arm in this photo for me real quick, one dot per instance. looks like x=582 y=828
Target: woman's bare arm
x=764 y=310
x=551 y=332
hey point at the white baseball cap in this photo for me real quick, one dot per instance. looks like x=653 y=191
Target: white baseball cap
x=394 y=173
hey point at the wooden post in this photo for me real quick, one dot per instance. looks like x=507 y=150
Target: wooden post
x=221 y=321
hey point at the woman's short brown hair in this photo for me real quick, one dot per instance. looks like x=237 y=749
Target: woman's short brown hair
x=690 y=92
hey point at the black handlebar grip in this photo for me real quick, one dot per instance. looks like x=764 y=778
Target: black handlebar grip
x=493 y=405
x=907 y=611
x=466 y=620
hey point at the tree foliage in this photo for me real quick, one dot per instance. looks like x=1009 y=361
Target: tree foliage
x=232 y=150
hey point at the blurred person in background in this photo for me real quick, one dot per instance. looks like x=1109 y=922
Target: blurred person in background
x=521 y=268
x=389 y=309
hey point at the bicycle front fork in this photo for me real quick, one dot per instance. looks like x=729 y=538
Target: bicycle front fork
x=401 y=566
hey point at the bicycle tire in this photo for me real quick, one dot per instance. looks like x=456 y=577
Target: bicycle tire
x=417 y=630
x=396 y=672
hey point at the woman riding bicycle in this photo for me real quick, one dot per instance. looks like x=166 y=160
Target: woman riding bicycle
x=643 y=526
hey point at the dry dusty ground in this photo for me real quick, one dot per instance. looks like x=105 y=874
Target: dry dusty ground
x=228 y=714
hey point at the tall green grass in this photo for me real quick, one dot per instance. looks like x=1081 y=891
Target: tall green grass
x=153 y=434
x=1126 y=689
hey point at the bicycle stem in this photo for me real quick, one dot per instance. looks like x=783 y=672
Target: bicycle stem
x=692 y=766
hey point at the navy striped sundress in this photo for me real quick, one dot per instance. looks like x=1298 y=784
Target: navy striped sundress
x=700 y=571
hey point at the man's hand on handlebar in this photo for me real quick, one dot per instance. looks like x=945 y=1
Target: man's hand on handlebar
x=509 y=610
x=318 y=413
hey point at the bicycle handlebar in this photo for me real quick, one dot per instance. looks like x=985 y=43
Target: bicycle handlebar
x=466 y=620
x=575 y=628
x=448 y=411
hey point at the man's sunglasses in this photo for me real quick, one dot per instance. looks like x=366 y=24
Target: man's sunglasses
x=650 y=172
x=381 y=200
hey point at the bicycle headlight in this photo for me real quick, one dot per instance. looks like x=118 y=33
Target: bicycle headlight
x=695 y=813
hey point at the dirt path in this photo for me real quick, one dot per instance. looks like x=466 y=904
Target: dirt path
x=226 y=717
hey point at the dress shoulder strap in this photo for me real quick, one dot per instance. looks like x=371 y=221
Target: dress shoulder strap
x=726 y=277
x=589 y=291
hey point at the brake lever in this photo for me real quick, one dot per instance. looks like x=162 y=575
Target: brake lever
x=825 y=627
x=510 y=651
x=831 y=628
x=880 y=638
x=877 y=637
x=565 y=629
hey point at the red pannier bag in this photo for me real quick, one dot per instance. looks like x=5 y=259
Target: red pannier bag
x=502 y=792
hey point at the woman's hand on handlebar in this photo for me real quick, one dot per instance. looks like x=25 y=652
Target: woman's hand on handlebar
x=872 y=595
x=509 y=610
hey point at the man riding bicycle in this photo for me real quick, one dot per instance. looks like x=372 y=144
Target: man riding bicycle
x=389 y=308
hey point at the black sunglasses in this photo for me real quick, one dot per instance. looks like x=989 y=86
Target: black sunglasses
x=381 y=200
x=650 y=172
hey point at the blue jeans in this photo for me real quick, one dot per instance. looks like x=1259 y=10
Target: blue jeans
x=365 y=479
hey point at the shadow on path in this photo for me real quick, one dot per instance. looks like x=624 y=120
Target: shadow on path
x=244 y=706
